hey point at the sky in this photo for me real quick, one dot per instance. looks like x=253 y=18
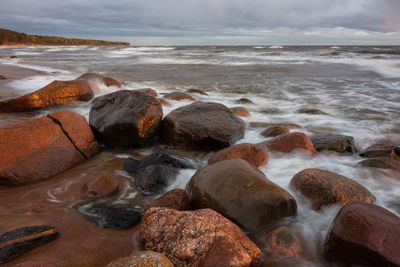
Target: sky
x=210 y=22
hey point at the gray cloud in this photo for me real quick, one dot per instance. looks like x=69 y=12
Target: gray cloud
x=195 y=18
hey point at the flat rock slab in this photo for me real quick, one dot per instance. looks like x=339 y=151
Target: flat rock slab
x=22 y=240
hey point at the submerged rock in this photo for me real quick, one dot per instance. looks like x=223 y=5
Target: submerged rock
x=244 y=101
x=142 y=259
x=386 y=150
x=55 y=93
x=325 y=188
x=22 y=240
x=240 y=192
x=311 y=111
x=126 y=118
x=41 y=148
x=381 y=163
x=103 y=186
x=152 y=179
x=334 y=142
x=196 y=91
x=240 y=111
x=289 y=142
x=257 y=124
x=176 y=199
x=364 y=234
x=122 y=216
x=273 y=131
x=178 y=96
x=197 y=238
x=253 y=154
x=202 y=126
x=2 y=77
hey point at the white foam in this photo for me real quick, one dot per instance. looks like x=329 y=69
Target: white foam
x=276 y=47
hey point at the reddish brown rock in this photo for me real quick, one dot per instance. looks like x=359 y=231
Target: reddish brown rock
x=364 y=234
x=241 y=111
x=273 y=131
x=253 y=154
x=197 y=238
x=126 y=118
x=103 y=186
x=111 y=82
x=142 y=259
x=202 y=126
x=2 y=77
x=241 y=192
x=164 y=102
x=285 y=243
x=334 y=142
x=266 y=125
x=325 y=188
x=148 y=91
x=176 y=199
x=96 y=78
x=292 y=141
x=197 y=102
x=386 y=150
x=381 y=163
x=39 y=149
x=34 y=264
x=179 y=96
x=55 y=93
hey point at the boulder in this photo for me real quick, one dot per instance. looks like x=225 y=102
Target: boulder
x=121 y=216
x=103 y=186
x=55 y=93
x=382 y=150
x=381 y=163
x=273 y=131
x=148 y=91
x=197 y=238
x=285 y=243
x=244 y=101
x=178 y=96
x=176 y=199
x=133 y=166
x=142 y=259
x=152 y=179
x=325 y=188
x=34 y=264
x=364 y=234
x=164 y=102
x=240 y=192
x=289 y=142
x=41 y=148
x=96 y=78
x=240 y=111
x=197 y=102
x=253 y=154
x=290 y=126
x=126 y=118
x=22 y=240
x=196 y=91
x=334 y=142
x=202 y=126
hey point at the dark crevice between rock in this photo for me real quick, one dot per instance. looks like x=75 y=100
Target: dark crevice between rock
x=59 y=123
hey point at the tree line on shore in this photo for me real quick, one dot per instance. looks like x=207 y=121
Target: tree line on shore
x=8 y=37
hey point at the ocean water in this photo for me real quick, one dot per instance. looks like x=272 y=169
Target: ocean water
x=358 y=89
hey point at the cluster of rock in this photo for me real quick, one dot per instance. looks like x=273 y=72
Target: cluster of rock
x=202 y=225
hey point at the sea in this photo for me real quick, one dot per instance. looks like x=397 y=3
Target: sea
x=352 y=90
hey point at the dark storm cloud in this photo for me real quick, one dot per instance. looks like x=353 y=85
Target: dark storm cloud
x=197 y=18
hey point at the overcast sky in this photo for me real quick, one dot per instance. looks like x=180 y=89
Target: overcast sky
x=237 y=22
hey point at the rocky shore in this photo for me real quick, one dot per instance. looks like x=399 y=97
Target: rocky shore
x=67 y=197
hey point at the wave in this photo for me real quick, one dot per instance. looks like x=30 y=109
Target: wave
x=276 y=47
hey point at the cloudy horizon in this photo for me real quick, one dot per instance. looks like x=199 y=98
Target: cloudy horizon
x=202 y=22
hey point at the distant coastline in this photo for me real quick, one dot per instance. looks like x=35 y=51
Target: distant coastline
x=13 y=38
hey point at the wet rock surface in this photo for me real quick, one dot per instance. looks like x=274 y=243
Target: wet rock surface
x=334 y=142
x=290 y=126
x=202 y=126
x=381 y=163
x=34 y=264
x=148 y=91
x=244 y=101
x=197 y=238
x=142 y=259
x=196 y=91
x=364 y=234
x=22 y=240
x=55 y=93
x=290 y=142
x=253 y=154
x=311 y=111
x=240 y=111
x=176 y=199
x=325 y=188
x=41 y=148
x=126 y=118
x=240 y=192
x=103 y=186
x=179 y=96
x=152 y=179
x=121 y=216
x=387 y=150
x=273 y=131
x=96 y=78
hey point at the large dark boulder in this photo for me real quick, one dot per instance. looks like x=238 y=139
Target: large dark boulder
x=334 y=142
x=22 y=240
x=240 y=192
x=126 y=118
x=197 y=238
x=202 y=126
x=386 y=150
x=41 y=148
x=325 y=188
x=364 y=234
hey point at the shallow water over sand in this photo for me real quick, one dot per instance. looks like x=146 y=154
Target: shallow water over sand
x=357 y=89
